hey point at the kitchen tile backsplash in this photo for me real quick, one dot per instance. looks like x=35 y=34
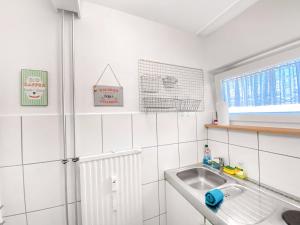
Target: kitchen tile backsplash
x=31 y=151
x=262 y=155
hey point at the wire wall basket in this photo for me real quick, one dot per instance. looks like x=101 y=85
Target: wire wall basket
x=167 y=88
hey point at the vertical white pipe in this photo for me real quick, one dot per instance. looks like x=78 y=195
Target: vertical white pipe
x=73 y=112
x=1 y=215
x=63 y=114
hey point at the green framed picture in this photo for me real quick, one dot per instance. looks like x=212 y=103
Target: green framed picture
x=34 y=87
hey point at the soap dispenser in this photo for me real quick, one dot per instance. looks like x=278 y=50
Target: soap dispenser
x=206 y=155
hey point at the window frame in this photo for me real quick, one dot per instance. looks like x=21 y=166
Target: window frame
x=267 y=117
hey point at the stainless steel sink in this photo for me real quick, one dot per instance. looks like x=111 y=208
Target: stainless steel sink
x=244 y=202
x=201 y=178
x=246 y=206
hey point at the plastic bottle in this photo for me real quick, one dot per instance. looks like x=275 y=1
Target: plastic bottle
x=206 y=155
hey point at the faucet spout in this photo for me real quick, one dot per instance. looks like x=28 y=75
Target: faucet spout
x=221 y=163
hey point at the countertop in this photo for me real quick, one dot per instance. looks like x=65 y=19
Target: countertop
x=274 y=203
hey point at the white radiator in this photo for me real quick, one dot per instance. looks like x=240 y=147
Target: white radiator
x=111 y=189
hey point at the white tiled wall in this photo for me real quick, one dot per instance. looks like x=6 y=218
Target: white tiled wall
x=31 y=151
x=265 y=157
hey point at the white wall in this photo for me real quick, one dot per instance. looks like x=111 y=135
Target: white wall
x=264 y=25
x=29 y=39
x=31 y=145
x=106 y=36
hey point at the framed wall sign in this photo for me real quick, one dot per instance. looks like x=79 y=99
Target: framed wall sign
x=34 y=87
x=105 y=95
x=108 y=95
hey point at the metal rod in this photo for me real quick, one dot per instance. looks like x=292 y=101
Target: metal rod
x=63 y=115
x=168 y=64
x=255 y=57
x=73 y=113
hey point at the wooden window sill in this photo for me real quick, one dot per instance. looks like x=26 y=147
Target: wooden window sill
x=271 y=130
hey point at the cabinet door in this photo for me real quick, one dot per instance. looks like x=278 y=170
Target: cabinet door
x=179 y=210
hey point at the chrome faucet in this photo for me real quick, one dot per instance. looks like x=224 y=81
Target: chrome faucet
x=221 y=163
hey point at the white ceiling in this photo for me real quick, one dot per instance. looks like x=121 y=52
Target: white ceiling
x=198 y=16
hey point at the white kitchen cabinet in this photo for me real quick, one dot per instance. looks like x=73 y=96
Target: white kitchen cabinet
x=180 y=211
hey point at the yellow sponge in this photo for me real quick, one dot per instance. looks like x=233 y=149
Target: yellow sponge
x=229 y=170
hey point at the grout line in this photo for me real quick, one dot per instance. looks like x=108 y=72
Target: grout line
x=34 y=163
x=228 y=146
x=177 y=120
x=197 y=137
x=23 y=172
x=10 y=166
x=206 y=133
x=254 y=149
x=17 y=214
x=42 y=162
x=275 y=153
x=148 y=147
x=217 y=141
x=102 y=134
x=157 y=163
x=160 y=214
x=183 y=142
x=151 y=182
x=153 y=218
x=258 y=159
x=131 y=118
x=52 y=207
x=32 y=211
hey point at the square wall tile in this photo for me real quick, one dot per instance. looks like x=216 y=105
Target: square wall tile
x=162 y=196
x=16 y=220
x=53 y=216
x=117 y=134
x=12 y=191
x=187 y=127
x=44 y=185
x=144 y=129
x=42 y=138
x=168 y=158
x=219 y=149
x=200 y=147
x=188 y=153
x=245 y=139
x=202 y=119
x=149 y=165
x=150 y=200
x=245 y=158
x=287 y=145
x=218 y=135
x=272 y=174
x=167 y=129
x=88 y=135
x=10 y=141
x=153 y=221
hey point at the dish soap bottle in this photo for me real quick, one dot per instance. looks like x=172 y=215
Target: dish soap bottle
x=206 y=155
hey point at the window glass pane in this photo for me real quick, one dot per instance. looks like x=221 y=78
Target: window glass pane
x=275 y=89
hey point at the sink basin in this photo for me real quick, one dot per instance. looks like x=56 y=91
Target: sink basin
x=201 y=178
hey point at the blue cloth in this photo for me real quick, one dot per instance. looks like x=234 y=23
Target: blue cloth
x=214 y=197
x=279 y=85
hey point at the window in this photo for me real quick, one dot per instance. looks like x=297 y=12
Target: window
x=276 y=89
